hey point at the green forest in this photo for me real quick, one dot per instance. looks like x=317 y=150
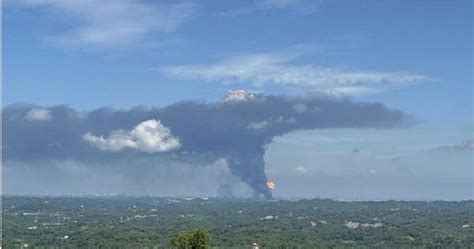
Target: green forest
x=156 y=222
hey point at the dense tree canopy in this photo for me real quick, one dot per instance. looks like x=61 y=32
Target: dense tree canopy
x=152 y=222
x=194 y=239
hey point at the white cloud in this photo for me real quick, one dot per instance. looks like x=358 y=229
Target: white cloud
x=270 y=121
x=114 y=22
x=301 y=169
x=300 y=108
x=149 y=136
x=38 y=114
x=258 y=125
x=268 y=69
x=236 y=96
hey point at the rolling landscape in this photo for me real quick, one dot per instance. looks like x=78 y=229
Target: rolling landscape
x=253 y=124
x=151 y=222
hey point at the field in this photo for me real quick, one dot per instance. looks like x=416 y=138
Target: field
x=151 y=222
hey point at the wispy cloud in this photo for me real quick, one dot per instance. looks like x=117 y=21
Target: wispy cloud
x=271 y=121
x=271 y=69
x=467 y=145
x=303 y=7
x=114 y=22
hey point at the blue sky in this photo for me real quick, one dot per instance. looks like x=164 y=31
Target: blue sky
x=414 y=56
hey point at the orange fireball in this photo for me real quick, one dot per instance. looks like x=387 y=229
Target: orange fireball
x=271 y=185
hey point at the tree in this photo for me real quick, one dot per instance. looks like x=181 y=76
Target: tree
x=194 y=239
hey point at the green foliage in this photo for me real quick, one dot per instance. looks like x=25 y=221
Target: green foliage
x=152 y=222
x=194 y=239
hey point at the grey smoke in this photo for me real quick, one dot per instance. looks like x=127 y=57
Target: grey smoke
x=206 y=131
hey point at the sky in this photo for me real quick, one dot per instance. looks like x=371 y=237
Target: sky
x=413 y=57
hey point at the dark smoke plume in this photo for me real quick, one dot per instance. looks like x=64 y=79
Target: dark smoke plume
x=237 y=129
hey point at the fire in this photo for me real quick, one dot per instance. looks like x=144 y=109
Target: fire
x=271 y=185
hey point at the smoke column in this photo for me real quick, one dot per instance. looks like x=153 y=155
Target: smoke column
x=238 y=129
